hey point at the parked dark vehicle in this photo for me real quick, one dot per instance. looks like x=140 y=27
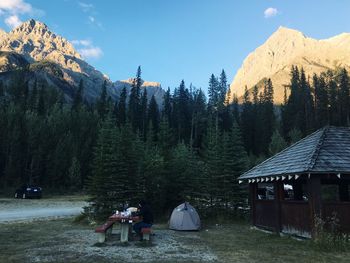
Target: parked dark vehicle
x=28 y=191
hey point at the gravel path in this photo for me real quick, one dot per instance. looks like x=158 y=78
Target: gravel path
x=29 y=209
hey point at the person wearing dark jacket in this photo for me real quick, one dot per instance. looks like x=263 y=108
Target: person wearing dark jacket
x=147 y=218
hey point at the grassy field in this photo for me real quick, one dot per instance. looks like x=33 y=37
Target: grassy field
x=64 y=241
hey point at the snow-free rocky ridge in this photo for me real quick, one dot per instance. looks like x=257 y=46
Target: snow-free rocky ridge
x=287 y=47
x=53 y=59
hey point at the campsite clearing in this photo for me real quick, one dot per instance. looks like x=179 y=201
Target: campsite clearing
x=63 y=241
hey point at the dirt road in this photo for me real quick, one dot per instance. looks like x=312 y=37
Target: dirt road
x=29 y=209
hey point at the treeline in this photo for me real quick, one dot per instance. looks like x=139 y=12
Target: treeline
x=44 y=140
x=312 y=104
x=187 y=149
x=190 y=148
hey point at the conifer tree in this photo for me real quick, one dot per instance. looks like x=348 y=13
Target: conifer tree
x=277 y=143
x=182 y=113
x=212 y=156
x=134 y=107
x=267 y=117
x=167 y=106
x=247 y=122
x=153 y=117
x=222 y=88
x=213 y=93
x=102 y=101
x=41 y=100
x=78 y=97
x=321 y=101
x=235 y=163
x=144 y=114
x=107 y=183
x=75 y=174
x=344 y=97
x=2 y=90
x=33 y=99
x=333 y=102
x=121 y=108
x=305 y=117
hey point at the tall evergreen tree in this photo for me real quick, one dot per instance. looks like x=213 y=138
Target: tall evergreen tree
x=107 y=184
x=333 y=102
x=134 y=107
x=277 y=143
x=33 y=99
x=234 y=163
x=153 y=117
x=344 y=99
x=247 y=122
x=121 y=108
x=102 y=101
x=321 y=101
x=78 y=97
x=144 y=113
x=167 y=106
x=41 y=100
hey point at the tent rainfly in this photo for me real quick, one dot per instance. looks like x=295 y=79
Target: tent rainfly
x=184 y=218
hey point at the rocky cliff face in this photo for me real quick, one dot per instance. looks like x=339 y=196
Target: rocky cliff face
x=287 y=47
x=53 y=59
x=37 y=44
x=153 y=89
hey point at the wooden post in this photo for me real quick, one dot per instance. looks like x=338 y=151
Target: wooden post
x=344 y=191
x=278 y=192
x=101 y=237
x=124 y=233
x=252 y=198
x=314 y=190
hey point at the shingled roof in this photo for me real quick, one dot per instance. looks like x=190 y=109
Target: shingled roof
x=324 y=151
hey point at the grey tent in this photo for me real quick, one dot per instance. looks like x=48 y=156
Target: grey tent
x=185 y=217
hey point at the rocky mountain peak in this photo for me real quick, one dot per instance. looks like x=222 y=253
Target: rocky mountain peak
x=3 y=34
x=32 y=27
x=286 y=31
x=35 y=40
x=130 y=81
x=287 y=47
x=54 y=59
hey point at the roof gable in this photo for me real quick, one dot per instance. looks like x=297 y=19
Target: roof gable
x=326 y=150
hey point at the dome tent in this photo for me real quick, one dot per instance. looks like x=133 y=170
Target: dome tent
x=185 y=218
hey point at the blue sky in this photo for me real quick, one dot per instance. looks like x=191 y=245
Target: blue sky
x=179 y=39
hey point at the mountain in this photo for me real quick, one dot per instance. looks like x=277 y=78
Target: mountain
x=287 y=47
x=53 y=59
x=153 y=88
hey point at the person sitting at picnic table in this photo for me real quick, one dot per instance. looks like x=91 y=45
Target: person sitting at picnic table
x=147 y=218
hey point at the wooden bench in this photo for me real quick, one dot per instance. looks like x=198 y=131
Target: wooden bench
x=146 y=233
x=102 y=230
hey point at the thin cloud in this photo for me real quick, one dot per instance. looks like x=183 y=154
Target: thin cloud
x=13 y=21
x=87 y=50
x=91 y=52
x=12 y=9
x=270 y=12
x=15 y=6
x=91 y=13
x=86 y=7
x=82 y=42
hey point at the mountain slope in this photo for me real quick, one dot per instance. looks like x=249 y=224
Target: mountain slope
x=153 y=88
x=287 y=47
x=53 y=59
x=36 y=43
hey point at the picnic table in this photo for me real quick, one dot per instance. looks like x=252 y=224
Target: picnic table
x=125 y=224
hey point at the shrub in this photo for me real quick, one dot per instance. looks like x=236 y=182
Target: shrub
x=328 y=235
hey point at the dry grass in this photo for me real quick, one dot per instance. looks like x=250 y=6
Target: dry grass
x=63 y=241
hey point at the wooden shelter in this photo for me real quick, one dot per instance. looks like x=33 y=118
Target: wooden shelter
x=308 y=180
